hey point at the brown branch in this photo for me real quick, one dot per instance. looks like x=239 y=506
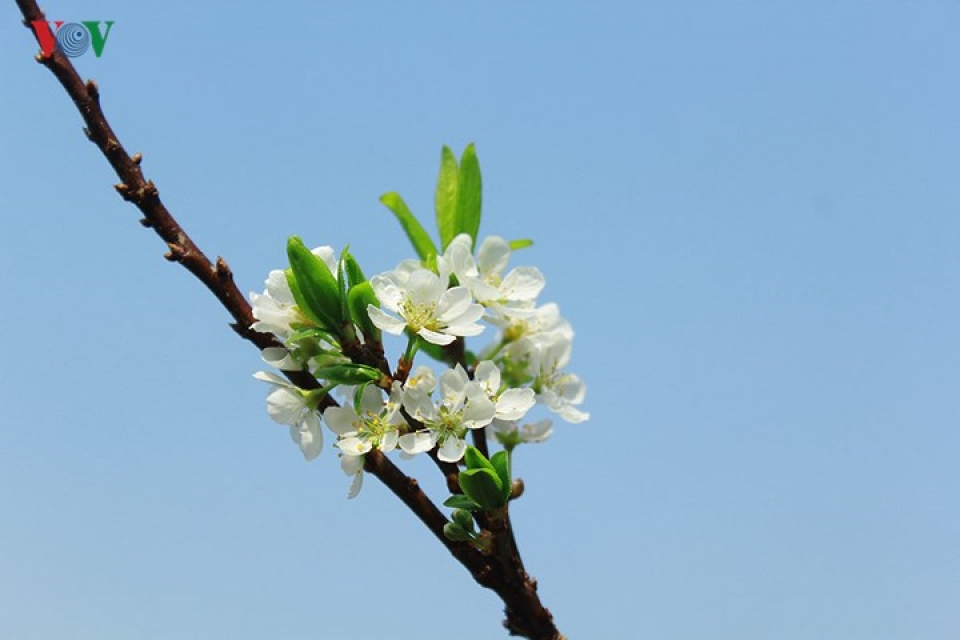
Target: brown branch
x=502 y=571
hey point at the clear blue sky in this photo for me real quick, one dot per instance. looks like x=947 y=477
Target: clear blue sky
x=749 y=210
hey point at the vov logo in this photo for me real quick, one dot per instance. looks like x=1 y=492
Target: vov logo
x=72 y=38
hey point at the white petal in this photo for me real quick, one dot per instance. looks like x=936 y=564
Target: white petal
x=389 y=441
x=354 y=446
x=422 y=378
x=424 y=287
x=523 y=283
x=419 y=405
x=284 y=405
x=272 y=378
x=453 y=303
x=537 y=432
x=351 y=465
x=414 y=443
x=493 y=255
x=355 y=486
x=342 y=420
x=384 y=321
x=480 y=410
x=281 y=359
x=488 y=375
x=433 y=337
x=310 y=435
x=513 y=404
x=452 y=449
x=387 y=292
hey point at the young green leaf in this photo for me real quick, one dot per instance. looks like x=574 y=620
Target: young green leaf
x=358 y=298
x=315 y=287
x=483 y=486
x=447 y=198
x=421 y=242
x=460 y=501
x=501 y=463
x=354 y=272
x=523 y=243
x=476 y=460
x=470 y=196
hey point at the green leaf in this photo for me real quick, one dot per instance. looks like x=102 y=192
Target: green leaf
x=523 y=243
x=314 y=287
x=342 y=284
x=447 y=197
x=469 y=198
x=354 y=272
x=421 y=242
x=483 y=486
x=501 y=463
x=357 y=300
x=476 y=460
x=460 y=501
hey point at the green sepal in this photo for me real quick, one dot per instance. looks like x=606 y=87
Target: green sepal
x=470 y=195
x=460 y=501
x=483 y=486
x=453 y=531
x=501 y=463
x=421 y=242
x=523 y=243
x=350 y=374
x=358 y=298
x=447 y=200
x=315 y=285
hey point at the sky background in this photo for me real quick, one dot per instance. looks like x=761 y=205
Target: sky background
x=748 y=210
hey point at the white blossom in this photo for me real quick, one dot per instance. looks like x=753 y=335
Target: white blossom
x=275 y=309
x=376 y=426
x=509 y=431
x=463 y=405
x=558 y=390
x=289 y=405
x=425 y=305
x=511 y=294
x=511 y=404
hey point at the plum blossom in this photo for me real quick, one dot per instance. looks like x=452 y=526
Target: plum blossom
x=376 y=426
x=510 y=433
x=463 y=405
x=511 y=294
x=275 y=309
x=558 y=390
x=425 y=305
x=511 y=404
x=290 y=405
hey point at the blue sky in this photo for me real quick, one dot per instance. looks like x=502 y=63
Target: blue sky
x=748 y=210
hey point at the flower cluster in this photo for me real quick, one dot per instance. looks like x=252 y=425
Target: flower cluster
x=329 y=318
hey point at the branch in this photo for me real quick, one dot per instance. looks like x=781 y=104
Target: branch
x=502 y=571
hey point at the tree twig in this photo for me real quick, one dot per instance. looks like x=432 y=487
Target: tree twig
x=502 y=571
